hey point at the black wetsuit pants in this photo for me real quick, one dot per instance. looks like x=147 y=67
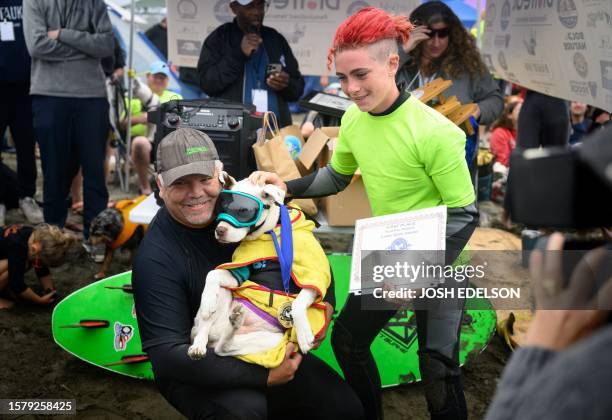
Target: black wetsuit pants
x=438 y=336
x=316 y=392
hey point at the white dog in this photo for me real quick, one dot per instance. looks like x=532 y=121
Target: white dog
x=235 y=326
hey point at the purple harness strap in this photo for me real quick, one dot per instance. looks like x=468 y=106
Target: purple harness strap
x=261 y=313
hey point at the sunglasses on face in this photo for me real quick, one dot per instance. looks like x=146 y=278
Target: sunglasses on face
x=239 y=209
x=441 y=33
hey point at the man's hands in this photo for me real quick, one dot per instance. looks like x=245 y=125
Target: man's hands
x=285 y=372
x=54 y=34
x=560 y=328
x=278 y=81
x=250 y=43
x=418 y=35
x=117 y=74
x=262 y=178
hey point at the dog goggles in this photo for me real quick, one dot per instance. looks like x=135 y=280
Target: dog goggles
x=239 y=209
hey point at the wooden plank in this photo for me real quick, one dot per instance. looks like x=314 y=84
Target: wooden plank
x=462 y=114
x=432 y=89
x=448 y=107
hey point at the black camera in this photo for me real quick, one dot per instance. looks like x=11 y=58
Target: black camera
x=563 y=188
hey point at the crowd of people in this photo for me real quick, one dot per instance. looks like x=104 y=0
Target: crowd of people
x=63 y=55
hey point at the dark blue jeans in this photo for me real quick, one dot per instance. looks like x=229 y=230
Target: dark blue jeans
x=72 y=133
x=16 y=113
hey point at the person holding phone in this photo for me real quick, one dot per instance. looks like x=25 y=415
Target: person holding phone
x=248 y=62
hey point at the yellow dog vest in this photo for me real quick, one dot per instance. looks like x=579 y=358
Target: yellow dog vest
x=310 y=270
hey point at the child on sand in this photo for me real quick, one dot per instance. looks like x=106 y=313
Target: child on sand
x=25 y=247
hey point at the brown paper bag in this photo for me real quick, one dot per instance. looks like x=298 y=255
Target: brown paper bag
x=272 y=155
x=293 y=130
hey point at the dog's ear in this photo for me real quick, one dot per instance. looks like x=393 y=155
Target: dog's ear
x=226 y=180
x=273 y=192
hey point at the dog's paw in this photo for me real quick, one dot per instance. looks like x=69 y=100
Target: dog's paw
x=196 y=352
x=305 y=339
x=237 y=317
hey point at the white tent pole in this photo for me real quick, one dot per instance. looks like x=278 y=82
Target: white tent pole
x=131 y=75
x=478 y=22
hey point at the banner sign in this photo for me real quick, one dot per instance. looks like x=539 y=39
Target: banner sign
x=558 y=47
x=308 y=25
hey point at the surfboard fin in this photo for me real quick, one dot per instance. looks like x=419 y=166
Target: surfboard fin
x=130 y=359
x=88 y=323
x=127 y=288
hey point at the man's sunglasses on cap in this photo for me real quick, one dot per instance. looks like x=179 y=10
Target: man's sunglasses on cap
x=239 y=209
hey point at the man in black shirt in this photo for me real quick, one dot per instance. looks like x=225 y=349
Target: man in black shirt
x=168 y=278
x=245 y=61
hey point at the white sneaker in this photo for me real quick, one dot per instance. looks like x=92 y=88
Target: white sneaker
x=2 y=215
x=31 y=210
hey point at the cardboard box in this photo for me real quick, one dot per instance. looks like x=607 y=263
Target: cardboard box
x=318 y=148
x=347 y=206
x=351 y=204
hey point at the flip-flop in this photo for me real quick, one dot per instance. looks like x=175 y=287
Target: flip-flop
x=77 y=207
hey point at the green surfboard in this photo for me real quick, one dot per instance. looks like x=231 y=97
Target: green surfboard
x=98 y=325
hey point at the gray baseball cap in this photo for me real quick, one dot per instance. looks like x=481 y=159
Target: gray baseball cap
x=185 y=152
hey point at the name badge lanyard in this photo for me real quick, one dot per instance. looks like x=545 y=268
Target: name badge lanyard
x=257 y=67
x=284 y=250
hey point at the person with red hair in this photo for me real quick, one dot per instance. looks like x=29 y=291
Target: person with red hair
x=411 y=157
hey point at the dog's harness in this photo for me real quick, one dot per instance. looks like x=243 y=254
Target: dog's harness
x=125 y=207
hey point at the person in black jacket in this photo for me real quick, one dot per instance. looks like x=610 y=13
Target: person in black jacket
x=158 y=35
x=168 y=278
x=234 y=62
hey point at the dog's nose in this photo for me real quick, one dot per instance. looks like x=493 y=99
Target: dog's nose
x=221 y=230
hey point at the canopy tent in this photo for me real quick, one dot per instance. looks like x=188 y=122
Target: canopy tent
x=466 y=11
